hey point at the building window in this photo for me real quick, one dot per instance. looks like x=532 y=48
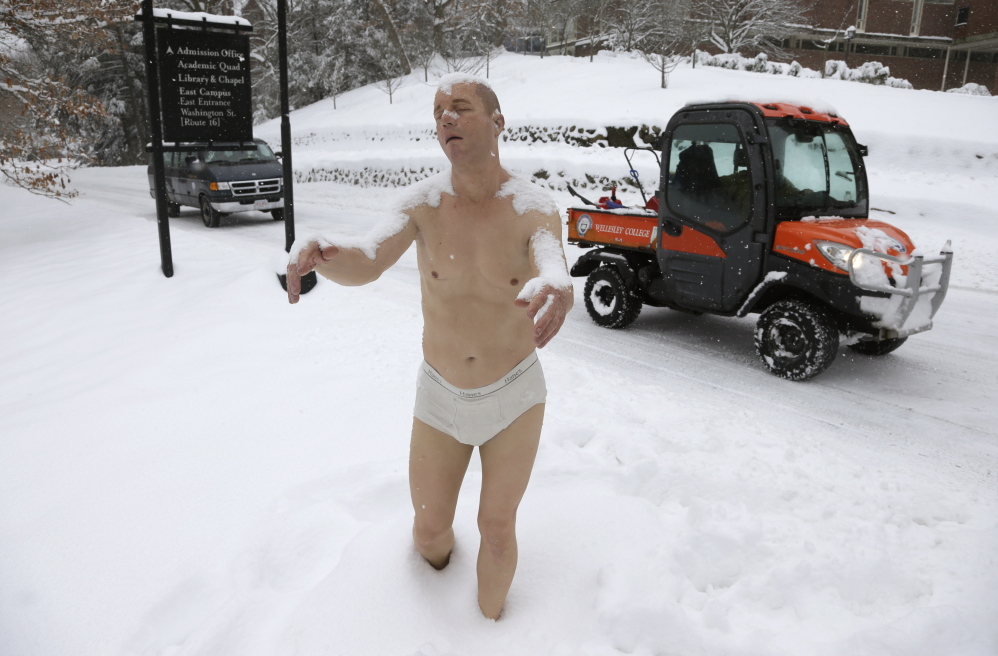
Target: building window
x=864 y=49
x=962 y=15
x=926 y=53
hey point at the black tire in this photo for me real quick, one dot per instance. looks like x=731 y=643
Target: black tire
x=278 y=214
x=172 y=210
x=608 y=300
x=209 y=216
x=796 y=339
x=878 y=347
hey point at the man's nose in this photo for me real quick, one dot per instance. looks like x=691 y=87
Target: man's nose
x=446 y=119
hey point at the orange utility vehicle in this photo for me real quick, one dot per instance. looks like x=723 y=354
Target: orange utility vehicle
x=761 y=208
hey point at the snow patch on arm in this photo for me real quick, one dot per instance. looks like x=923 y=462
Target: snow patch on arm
x=551 y=268
x=425 y=192
x=527 y=196
x=368 y=244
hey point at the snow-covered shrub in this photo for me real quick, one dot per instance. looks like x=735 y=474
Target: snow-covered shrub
x=871 y=73
x=899 y=83
x=971 y=89
x=794 y=69
x=835 y=70
x=761 y=63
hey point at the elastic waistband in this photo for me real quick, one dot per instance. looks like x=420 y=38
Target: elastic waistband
x=517 y=371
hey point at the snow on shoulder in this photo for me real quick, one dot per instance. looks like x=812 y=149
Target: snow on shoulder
x=447 y=82
x=428 y=191
x=527 y=197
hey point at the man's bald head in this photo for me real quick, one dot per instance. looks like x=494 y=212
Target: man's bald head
x=480 y=86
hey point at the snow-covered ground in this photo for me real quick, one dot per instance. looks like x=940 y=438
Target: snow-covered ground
x=193 y=466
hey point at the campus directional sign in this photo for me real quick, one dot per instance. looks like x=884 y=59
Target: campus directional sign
x=205 y=86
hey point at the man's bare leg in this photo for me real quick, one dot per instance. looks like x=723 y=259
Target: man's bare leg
x=507 y=460
x=437 y=463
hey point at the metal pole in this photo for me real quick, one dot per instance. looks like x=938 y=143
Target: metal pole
x=289 y=195
x=308 y=280
x=155 y=123
x=942 y=87
x=966 y=67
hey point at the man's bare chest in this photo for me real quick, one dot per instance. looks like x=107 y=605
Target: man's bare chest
x=490 y=250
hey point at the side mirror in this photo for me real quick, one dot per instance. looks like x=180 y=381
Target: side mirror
x=279 y=154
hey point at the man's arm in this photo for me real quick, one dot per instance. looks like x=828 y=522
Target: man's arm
x=351 y=262
x=549 y=296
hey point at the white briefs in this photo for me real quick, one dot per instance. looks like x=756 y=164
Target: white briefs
x=475 y=416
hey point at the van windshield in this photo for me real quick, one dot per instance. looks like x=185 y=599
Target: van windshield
x=261 y=153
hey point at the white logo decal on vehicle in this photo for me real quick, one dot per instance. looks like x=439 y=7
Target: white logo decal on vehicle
x=583 y=224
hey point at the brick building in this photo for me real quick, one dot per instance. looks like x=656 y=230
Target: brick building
x=934 y=44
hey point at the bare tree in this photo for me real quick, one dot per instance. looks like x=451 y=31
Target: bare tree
x=757 y=24
x=629 y=24
x=49 y=117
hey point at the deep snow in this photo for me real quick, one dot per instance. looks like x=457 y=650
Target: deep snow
x=193 y=466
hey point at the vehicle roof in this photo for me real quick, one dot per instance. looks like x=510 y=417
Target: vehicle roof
x=801 y=112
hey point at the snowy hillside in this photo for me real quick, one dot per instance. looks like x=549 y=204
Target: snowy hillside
x=191 y=466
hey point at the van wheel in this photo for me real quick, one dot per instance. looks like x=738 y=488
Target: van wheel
x=878 y=347
x=172 y=210
x=796 y=339
x=608 y=300
x=209 y=216
x=278 y=214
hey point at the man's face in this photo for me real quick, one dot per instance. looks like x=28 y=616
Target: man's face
x=465 y=130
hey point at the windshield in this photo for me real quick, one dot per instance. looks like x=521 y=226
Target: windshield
x=262 y=152
x=818 y=171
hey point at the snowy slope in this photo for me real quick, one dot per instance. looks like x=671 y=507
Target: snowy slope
x=192 y=466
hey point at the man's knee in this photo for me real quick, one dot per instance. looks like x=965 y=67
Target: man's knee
x=430 y=532
x=498 y=530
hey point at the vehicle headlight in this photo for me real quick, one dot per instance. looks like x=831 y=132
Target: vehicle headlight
x=838 y=254
x=219 y=186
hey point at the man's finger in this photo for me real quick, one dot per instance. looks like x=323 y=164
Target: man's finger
x=552 y=329
x=293 y=282
x=306 y=261
x=538 y=301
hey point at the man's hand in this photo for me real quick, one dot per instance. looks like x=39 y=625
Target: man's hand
x=309 y=258
x=547 y=308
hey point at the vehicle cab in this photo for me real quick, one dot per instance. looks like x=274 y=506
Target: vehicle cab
x=763 y=208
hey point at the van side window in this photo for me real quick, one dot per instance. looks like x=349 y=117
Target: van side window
x=709 y=179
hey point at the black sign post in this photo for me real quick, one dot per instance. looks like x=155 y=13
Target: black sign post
x=199 y=92
x=309 y=279
x=159 y=174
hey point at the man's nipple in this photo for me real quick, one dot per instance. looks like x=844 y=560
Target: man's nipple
x=434 y=274
x=514 y=281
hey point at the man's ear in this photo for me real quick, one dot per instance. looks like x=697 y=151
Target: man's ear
x=500 y=121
